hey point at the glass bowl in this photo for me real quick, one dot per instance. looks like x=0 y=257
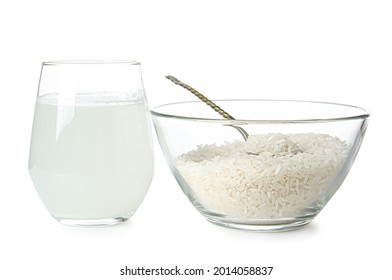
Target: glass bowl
x=280 y=177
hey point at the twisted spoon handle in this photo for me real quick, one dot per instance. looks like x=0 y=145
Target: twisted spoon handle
x=215 y=107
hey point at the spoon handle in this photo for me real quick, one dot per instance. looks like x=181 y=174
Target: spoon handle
x=215 y=107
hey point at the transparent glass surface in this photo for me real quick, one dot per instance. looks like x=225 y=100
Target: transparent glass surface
x=296 y=157
x=91 y=153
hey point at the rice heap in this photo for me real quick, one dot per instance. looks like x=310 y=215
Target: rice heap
x=268 y=176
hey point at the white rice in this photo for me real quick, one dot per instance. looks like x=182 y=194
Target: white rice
x=268 y=176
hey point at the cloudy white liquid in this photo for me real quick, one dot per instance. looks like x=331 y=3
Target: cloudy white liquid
x=91 y=156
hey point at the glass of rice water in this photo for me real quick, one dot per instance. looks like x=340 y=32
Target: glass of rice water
x=91 y=153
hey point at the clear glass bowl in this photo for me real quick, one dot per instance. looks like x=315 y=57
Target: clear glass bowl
x=296 y=157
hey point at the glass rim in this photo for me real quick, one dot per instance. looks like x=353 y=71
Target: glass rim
x=362 y=113
x=89 y=62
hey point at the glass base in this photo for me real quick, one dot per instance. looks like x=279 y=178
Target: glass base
x=92 y=222
x=262 y=225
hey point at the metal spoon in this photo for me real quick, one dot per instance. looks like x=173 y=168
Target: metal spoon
x=223 y=113
x=215 y=107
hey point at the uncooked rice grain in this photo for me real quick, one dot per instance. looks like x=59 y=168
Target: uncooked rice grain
x=268 y=176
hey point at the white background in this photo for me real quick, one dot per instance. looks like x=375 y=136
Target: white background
x=338 y=51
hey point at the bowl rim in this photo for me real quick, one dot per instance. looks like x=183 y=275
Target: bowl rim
x=363 y=115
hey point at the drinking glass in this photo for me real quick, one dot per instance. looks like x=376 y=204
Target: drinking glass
x=91 y=153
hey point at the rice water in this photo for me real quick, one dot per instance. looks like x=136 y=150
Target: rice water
x=91 y=155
